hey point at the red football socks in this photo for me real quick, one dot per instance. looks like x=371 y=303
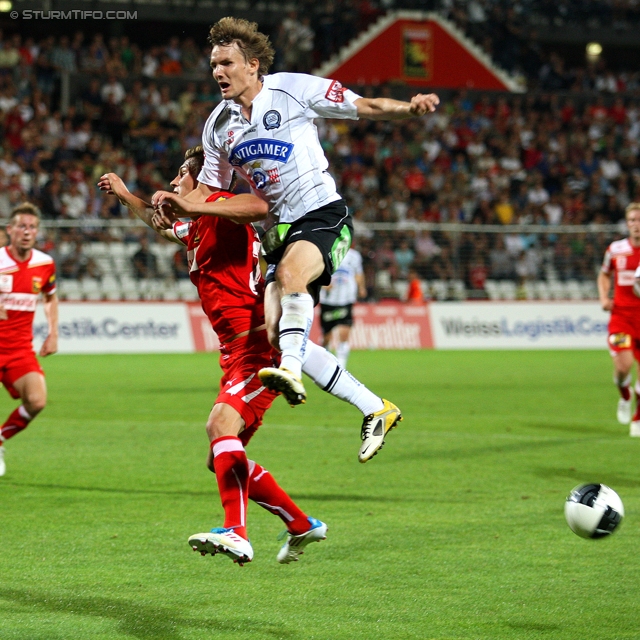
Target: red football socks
x=16 y=422
x=265 y=491
x=232 y=474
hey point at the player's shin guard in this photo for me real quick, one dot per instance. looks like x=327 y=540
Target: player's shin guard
x=232 y=474
x=324 y=369
x=295 y=324
x=16 y=422
x=265 y=491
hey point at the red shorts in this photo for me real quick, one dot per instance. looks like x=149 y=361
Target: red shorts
x=16 y=364
x=624 y=332
x=240 y=386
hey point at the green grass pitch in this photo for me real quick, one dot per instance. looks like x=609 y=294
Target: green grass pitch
x=454 y=531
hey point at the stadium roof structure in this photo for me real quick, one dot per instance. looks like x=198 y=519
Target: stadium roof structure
x=419 y=49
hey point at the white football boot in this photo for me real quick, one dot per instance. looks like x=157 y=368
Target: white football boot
x=3 y=466
x=294 y=546
x=282 y=380
x=634 y=429
x=224 y=541
x=624 y=411
x=375 y=427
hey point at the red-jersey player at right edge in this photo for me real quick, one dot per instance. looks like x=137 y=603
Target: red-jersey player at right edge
x=25 y=273
x=621 y=260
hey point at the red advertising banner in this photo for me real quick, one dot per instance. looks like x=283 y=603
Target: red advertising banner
x=387 y=326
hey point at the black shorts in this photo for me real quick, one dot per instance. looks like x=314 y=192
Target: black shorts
x=330 y=228
x=331 y=317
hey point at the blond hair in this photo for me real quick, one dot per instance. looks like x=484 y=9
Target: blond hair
x=25 y=207
x=245 y=34
x=632 y=206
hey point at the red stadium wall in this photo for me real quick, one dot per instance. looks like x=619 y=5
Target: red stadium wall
x=421 y=53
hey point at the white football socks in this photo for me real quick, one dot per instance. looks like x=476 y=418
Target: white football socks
x=325 y=370
x=295 y=324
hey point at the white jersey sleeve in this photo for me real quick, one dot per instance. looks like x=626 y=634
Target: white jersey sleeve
x=637 y=275
x=216 y=171
x=328 y=98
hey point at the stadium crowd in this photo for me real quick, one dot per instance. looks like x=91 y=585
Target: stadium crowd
x=504 y=160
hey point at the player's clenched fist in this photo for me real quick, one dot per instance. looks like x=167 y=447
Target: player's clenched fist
x=424 y=103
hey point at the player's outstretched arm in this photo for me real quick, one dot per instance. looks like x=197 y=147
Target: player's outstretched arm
x=389 y=109
x=242 y=209
x=50 y=344
x=604 y=286
x=113 y=184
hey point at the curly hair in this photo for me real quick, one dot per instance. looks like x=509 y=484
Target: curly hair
x=245 y=34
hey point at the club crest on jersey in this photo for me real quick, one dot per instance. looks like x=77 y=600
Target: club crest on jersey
x=260 y=179
x=335 y=92
x=261 y=149
x=36 y=285
x=6 y=283
x=271 y=120
x=621 y=262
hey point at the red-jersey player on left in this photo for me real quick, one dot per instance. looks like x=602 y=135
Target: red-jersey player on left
x=25 y=273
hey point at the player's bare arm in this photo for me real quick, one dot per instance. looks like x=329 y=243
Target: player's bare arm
x=50 y=344
x=604 y=287
x=242 y=209
x=113 y=184
x=3 y=312
x=389 y=109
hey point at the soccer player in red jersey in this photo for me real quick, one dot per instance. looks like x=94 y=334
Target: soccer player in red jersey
x=223 y=253
x=25 y=273
x=224 y=266
x=621 y=260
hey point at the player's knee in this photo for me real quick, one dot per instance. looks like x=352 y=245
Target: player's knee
x=34 y=404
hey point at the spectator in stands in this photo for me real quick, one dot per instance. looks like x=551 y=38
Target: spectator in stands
x=112 y=91
x=415 y=293
x=144 y=261
x=501 y=265
x=179 y=265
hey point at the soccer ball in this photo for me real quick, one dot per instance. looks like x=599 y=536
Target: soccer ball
x=593 y=510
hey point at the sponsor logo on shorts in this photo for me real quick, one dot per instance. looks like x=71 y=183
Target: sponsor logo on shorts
x=261 y=149
x=335 y=92
x=620 y=340
x=271 y=120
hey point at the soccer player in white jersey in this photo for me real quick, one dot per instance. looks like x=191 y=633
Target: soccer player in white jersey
x=264 y=129
x=336 y=303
